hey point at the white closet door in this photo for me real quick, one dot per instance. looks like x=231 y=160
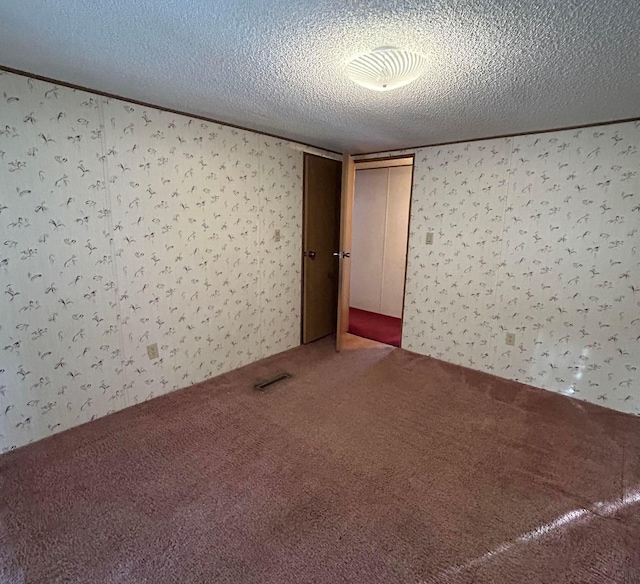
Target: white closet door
x=395 y=241
x=367 y=247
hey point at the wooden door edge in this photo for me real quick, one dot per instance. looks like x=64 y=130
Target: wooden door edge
x=303 y=303
x=346 y=223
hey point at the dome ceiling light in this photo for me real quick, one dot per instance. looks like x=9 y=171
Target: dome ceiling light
x=386 y=68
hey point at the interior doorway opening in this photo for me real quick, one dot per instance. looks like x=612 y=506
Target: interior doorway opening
x=379 y=244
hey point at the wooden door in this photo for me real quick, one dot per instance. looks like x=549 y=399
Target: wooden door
x=346 y=221
x=321 y=238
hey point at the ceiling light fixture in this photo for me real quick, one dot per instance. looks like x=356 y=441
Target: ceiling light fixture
x=386 y=68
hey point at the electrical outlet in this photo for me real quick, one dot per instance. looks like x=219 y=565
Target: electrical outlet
x=430 y=238
x=277 y=235
x=510 y=339
x=152 y=351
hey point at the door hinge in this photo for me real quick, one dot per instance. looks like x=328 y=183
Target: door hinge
x=342 y=254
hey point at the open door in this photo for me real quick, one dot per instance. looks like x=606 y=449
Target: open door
x=346 y=222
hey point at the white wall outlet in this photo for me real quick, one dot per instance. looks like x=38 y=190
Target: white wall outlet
x=277 y=235
x=510 y=339
x=152 y=351
x=429 y=238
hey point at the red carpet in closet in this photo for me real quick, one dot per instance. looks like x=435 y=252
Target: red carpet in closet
x=379 y=327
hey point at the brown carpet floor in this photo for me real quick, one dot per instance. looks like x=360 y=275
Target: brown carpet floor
x=373 y=465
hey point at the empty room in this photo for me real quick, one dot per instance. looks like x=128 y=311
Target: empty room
x=320 y=292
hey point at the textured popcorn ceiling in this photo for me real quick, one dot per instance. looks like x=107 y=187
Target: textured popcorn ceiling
x=496 y=67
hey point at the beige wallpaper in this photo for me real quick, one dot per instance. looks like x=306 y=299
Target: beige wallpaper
x=539 y=236
x=123 y=226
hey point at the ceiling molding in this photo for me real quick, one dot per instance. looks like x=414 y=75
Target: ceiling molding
x=159 y=107
x=381 y=153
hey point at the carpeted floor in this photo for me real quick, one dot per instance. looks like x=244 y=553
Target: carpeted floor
x=372 y=465
x=374 y=326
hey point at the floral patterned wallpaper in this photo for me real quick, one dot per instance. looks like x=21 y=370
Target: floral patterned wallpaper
x=536 y=235
x=123 y=226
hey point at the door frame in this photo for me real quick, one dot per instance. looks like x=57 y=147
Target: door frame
x=349 y=167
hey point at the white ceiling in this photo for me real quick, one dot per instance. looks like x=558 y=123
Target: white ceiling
x=496 y=66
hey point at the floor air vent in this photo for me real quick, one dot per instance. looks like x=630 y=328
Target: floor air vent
x=271 y=381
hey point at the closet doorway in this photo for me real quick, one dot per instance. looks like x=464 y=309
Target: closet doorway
x=380 y=230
